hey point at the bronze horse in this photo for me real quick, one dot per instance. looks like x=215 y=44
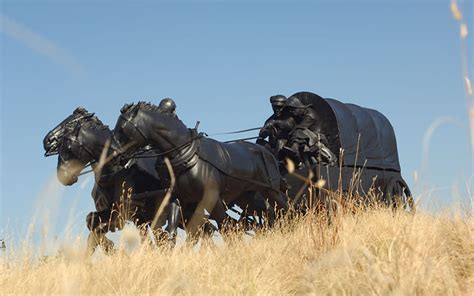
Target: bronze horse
x=81 y=139
x=207 y=172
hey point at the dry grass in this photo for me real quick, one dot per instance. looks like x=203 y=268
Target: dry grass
x=374 y=251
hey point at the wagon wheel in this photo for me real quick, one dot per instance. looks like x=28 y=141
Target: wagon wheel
x=399 y=195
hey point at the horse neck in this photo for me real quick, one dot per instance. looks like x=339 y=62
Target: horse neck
x=163 y=131
x=95 y=139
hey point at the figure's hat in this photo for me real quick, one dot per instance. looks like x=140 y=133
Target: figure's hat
x=278 y=100
x=294 y=102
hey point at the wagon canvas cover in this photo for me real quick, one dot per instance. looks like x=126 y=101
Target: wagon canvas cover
x=366 y=135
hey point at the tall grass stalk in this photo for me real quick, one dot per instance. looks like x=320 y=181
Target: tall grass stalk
x=373 y=250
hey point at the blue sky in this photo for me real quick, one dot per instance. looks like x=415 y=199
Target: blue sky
x=220 y=61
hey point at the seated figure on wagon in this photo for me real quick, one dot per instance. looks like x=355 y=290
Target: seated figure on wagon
x=277 y=127
x=293 y=133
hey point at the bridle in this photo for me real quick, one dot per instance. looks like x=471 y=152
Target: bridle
x=60 y=131
x=74 y=139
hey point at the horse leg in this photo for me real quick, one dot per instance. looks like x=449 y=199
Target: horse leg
x=270 y=214
x=279 y=204
x=279 y=198
x=97 y=238
x=224 y=222
x=162 y=237
x=143 y=230
x=172 y=215
x=210 y=198
x=93 y=242
x=173 y=219
x=258 y=207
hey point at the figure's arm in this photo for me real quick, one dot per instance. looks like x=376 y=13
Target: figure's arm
x=285 y=124
x=310 y=118
x=267 y=129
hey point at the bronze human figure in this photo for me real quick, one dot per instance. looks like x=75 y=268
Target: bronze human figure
x=305 y=139
x=168 y=106
x=277 y=127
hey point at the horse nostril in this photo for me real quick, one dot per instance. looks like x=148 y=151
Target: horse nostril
x=64 y=179
x=68 y=172
x=67 y=180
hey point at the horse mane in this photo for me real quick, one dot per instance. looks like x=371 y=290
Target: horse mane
x=147 y=106
x=141 y=105
x=94 y=123
x=85 y=119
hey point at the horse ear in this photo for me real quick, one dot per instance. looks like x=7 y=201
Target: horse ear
x=126 y=107
x=80 y=110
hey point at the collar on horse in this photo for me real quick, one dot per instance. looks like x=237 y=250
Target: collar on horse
x=186 y=153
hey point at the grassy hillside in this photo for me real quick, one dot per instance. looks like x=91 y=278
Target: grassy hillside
x=367 y=252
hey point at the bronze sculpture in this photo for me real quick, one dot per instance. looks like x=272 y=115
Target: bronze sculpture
x=277 y=127
x=81 y=139
x=363 y=141
x=207 y=172
x=307 y=128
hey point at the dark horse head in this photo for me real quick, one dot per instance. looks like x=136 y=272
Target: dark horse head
x=164 y=131
x=53 y=137
x=78 y=140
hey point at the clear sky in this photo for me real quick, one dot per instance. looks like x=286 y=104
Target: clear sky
x=220 y=61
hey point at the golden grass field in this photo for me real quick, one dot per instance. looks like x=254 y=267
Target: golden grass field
x=370 y=252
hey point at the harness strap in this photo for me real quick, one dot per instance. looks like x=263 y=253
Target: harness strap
x=265 y=185
x=197 y=136
x=186 y=158
x=269 y=177
x=74 y=139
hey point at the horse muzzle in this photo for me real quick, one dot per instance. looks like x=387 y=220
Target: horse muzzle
x=68 y=173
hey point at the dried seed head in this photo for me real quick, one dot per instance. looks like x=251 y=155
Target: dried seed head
x=415 y=176
x=320 y=183
x=130 y=238
x=463 y=31
x=455 y=11
x=290 y=165
x=468 y=85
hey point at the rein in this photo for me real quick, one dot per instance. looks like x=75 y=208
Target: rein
x=199 y=135
x=89 y=171
x=242 y=139
x=238 y=132
x=137 y=155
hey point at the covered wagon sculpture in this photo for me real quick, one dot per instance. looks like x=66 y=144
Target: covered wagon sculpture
x=363 y=140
